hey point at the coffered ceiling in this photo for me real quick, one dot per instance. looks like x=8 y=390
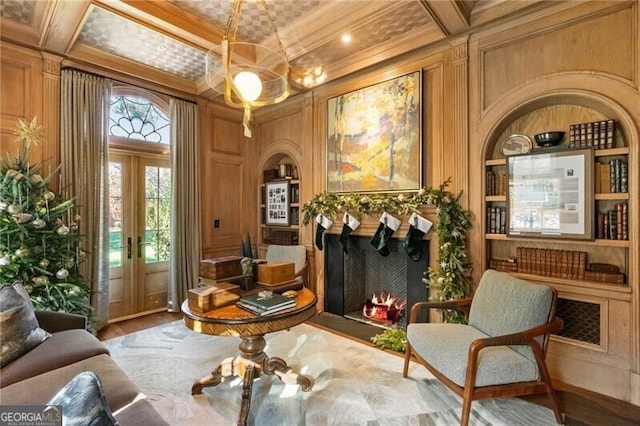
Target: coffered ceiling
x=166 y=41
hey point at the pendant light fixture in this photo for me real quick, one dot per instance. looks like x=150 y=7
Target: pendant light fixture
x=249 y=74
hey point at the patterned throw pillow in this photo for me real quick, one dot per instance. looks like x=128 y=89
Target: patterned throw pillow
x=83 y=402
x=18 y=324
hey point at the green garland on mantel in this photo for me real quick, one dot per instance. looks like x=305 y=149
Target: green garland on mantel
x=451 y=280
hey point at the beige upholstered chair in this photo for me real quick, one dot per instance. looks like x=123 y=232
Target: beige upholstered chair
x=295 y=254
x=501 y=352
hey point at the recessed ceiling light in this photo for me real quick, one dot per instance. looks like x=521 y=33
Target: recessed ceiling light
x=346 y=38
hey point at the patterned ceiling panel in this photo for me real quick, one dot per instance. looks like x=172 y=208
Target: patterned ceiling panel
x=109 y=32
x=409 y=17
x=254 y=23
x=18 y=10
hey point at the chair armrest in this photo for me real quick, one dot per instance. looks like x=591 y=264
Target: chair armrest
x=461 y=305
x=60 y=321
x=525 y=337
x=304 y=273
x=303 y=270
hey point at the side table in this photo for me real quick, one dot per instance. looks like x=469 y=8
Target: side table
x=252 y=361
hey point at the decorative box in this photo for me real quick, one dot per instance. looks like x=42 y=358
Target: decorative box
x=272 y=273
x=221 y=267
x=207 y=298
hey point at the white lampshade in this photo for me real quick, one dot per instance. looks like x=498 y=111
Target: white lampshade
x=248 y=85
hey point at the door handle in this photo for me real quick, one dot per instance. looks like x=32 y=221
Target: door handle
x=129 y=248
x=140 y=245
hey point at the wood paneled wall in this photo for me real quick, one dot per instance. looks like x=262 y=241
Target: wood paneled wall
x=474 y=88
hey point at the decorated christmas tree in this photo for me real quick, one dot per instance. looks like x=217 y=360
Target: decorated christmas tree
x=39 y=238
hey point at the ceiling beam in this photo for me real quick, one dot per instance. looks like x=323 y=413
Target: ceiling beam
x=452 y=16
x=66 y=22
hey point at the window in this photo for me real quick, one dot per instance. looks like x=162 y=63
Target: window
x=134 y=117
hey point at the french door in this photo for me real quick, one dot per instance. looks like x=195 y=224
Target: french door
x=139 y=233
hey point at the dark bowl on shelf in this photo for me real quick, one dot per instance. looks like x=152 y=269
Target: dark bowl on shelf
x=549 y=138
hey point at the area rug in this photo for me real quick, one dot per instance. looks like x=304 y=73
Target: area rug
x=355 y=384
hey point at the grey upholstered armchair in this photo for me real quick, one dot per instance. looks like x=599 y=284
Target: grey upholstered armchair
x=501 y=352
x=295 y=254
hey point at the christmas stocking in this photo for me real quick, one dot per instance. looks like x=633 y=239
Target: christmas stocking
x=350 y=224
x=388 y=225
x=418 y=226
x=324 y=223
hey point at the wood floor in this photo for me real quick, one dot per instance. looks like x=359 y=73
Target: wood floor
x=581 y=407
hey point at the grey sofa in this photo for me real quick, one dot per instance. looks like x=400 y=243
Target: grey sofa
x=36 y=376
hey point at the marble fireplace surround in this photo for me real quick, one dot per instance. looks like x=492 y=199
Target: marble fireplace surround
x=351 y=278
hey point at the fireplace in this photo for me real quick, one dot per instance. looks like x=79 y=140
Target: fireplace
x=351 y=279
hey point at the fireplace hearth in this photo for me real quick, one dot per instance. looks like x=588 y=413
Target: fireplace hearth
x=353 y=278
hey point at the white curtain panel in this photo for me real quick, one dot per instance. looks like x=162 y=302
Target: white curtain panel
x=185 y=254
x=84 y=115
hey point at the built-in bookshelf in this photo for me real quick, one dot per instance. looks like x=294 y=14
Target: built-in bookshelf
x=287 y=232
x=603 y=260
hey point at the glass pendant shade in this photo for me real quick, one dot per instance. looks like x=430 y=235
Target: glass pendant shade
x=248 y=74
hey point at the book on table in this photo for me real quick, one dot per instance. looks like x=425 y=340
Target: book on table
x=262 y=312
x=263 y=305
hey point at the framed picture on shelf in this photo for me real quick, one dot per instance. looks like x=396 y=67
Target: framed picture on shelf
x=277 y=203
x=374 y=140
x=551 y=195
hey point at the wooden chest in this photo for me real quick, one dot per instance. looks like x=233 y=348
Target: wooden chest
x=276 y=272
x=207 y=298
x=221 y=267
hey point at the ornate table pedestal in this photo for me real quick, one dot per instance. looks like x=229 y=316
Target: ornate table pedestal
x=252 y=361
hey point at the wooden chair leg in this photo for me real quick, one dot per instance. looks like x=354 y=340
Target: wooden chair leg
x=546 y=378
x=407 y=358
x=466 y=409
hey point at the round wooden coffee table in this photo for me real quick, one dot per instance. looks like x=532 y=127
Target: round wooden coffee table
x=252 y=361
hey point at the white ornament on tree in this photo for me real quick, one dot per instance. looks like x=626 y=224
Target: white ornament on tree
x=22 y=217
x=5 y=260
x=62 y=274
x=14 y=208
x=62 y=230
x=22 y=252
x=41 y=280
x=38 y=223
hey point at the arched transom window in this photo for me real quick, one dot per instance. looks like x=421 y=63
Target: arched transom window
x=138 y=118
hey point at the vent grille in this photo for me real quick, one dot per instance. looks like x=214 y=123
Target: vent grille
x=581 y=320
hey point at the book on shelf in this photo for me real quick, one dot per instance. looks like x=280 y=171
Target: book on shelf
x=611 y=129
x=596 y=134
x=583 y=135
x=613 y=224
x=597 y=171
x=490 y=182
x=625 y=221
x=624 y=177
x=605 y=178
x=266 y=303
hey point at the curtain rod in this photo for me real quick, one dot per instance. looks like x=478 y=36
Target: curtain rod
x=156 y=92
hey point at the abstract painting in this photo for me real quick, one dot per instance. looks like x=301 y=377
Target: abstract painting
x=374 y=140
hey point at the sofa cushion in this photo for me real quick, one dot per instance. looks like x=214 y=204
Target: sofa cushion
x=446 y=348
x=83 y=402
x=62 y=348
x=20 y=329
x=118 y=388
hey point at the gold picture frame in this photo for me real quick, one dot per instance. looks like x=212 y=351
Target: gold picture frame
x=374 y=137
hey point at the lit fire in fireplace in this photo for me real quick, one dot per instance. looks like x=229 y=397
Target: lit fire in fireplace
x=383 y=307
